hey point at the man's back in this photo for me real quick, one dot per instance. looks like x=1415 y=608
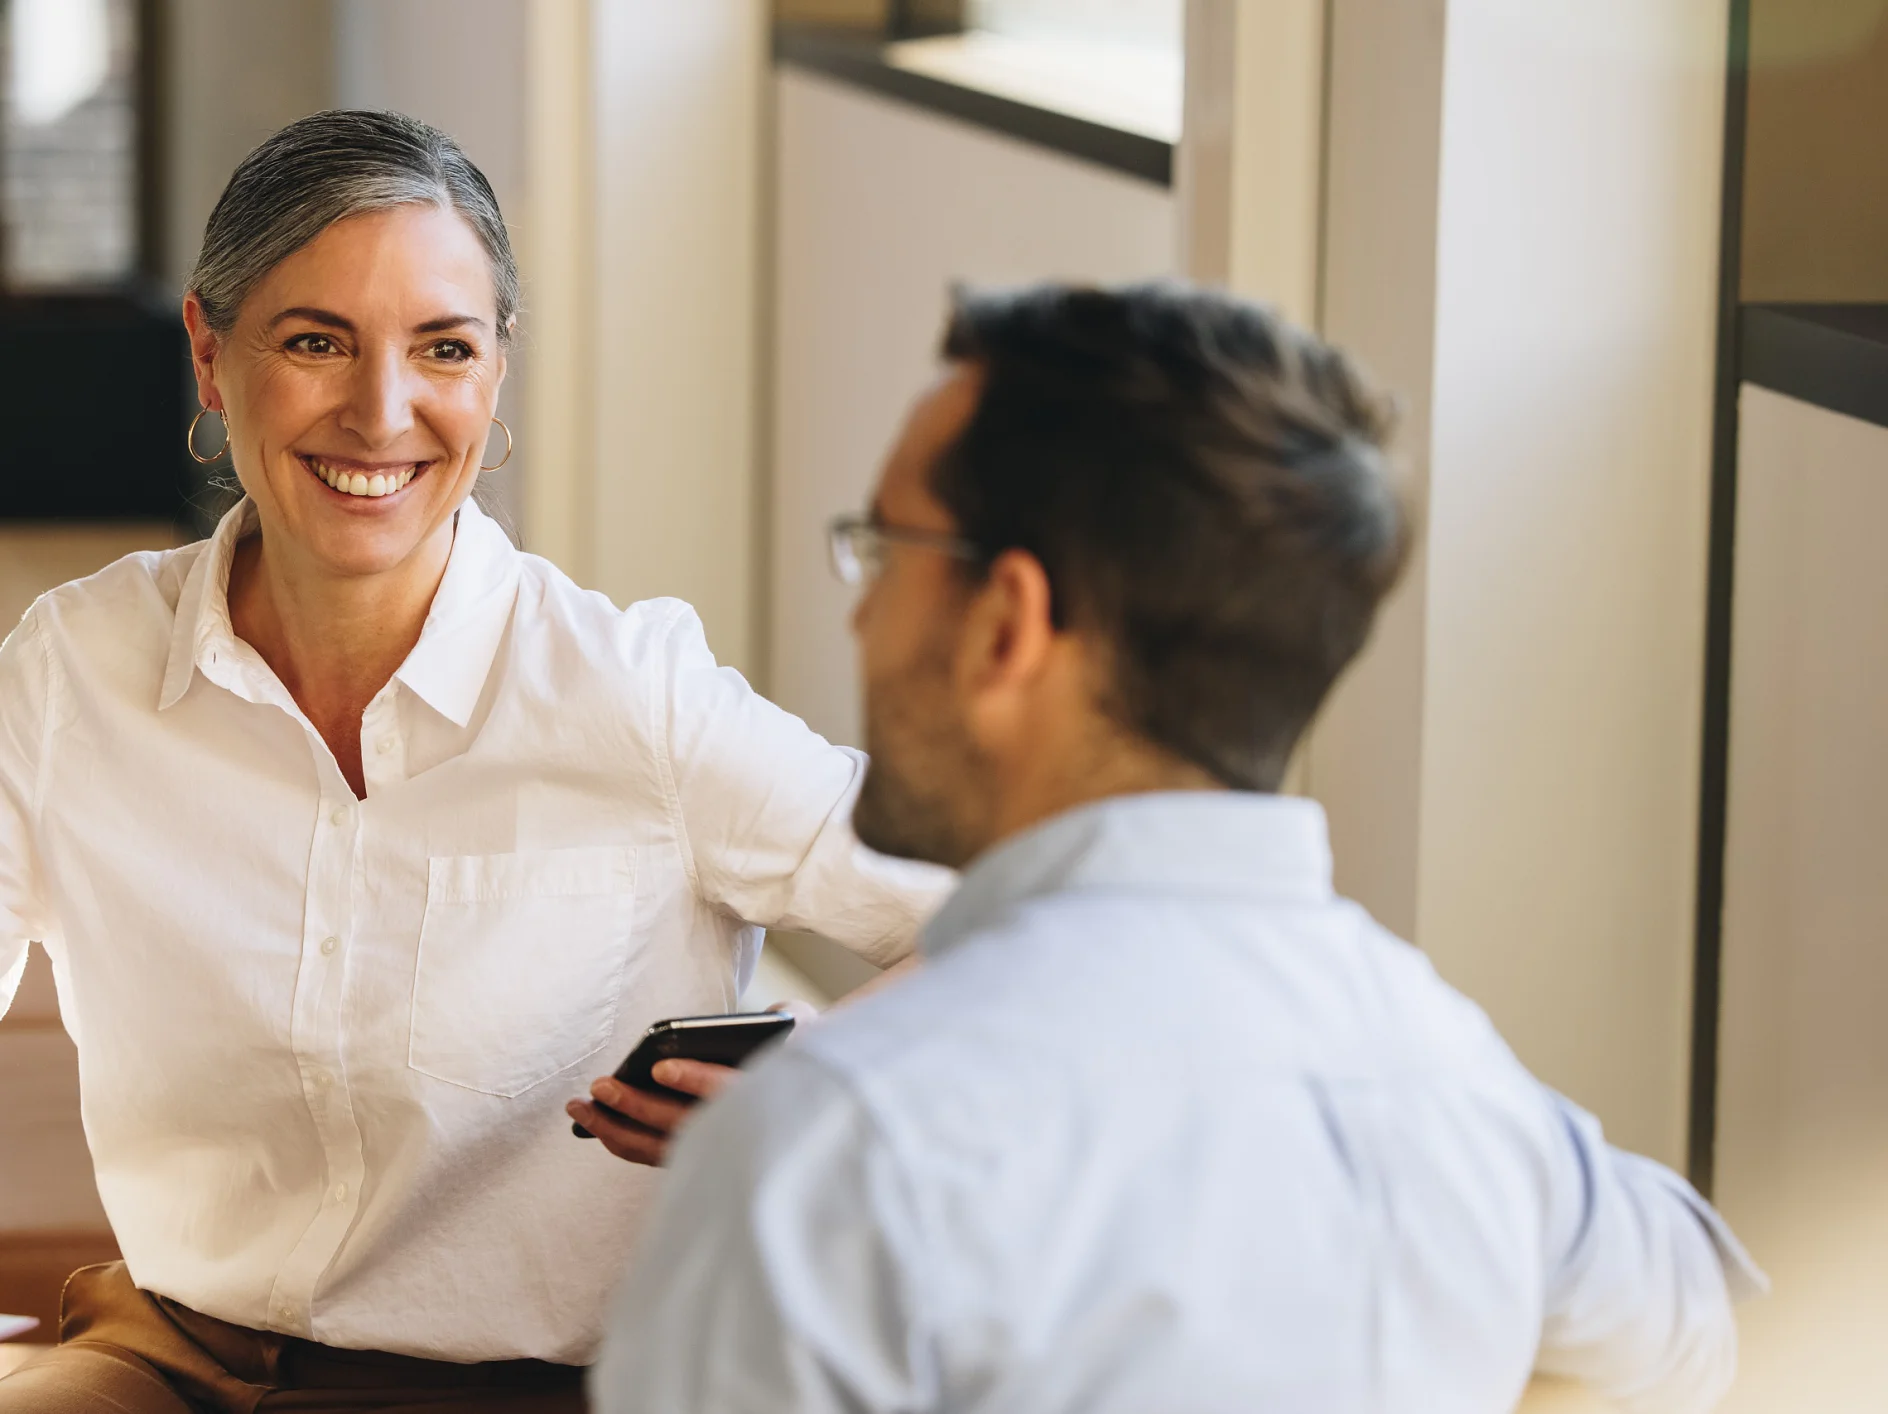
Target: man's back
x=1163 y=1124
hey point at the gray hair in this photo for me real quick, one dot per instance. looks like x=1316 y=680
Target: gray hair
x=325 y=168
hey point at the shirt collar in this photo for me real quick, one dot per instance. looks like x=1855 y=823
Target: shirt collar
x=203 y=607
x=447 y=668
x=1223 y=843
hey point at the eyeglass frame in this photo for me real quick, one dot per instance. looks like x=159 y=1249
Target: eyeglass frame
x=853 y=569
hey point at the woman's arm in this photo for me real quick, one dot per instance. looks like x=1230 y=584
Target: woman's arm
x=765 y=807
x=24 y=728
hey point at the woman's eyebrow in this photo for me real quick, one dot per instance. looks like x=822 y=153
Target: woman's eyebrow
x=448 y=321
x=314 y=316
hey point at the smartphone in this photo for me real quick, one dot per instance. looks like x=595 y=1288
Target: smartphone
x=720 y=1040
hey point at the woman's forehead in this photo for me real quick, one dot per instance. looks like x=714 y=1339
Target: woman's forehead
x=404 y=265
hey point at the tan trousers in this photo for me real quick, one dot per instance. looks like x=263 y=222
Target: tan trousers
x=126 y=1351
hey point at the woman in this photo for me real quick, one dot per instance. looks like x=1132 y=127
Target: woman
x=359 y=840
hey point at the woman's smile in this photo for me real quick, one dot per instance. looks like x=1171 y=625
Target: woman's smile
x=348 y=477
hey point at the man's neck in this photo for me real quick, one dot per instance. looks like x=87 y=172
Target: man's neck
x=1117 y=767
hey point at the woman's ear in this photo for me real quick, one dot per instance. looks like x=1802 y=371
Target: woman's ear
x=203 y=349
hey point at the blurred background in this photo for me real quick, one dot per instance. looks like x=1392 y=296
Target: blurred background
x=1614 y=760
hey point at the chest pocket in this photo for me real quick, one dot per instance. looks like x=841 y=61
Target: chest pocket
x=521 y=964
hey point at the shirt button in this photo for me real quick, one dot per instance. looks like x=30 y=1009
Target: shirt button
x=328 y=945
x=322 y=1080
x=384 y=745
x=339 y=818
x=340 y=1193
x=282 y=1313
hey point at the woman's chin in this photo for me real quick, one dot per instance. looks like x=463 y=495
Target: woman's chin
x=353 y=543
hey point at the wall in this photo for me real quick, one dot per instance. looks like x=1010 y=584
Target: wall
x=880 y=207
x=239 y=71
x=1803 y=1085
x=1816 y=187
x=1378 y=294
x=1521 y=237
x=675 y=327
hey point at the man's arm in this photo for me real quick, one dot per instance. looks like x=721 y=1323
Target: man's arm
x=766 y=810
x=24 y=705
x=774 y=1273
x=1639 y=1307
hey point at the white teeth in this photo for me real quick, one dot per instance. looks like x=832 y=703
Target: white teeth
x=359 y=483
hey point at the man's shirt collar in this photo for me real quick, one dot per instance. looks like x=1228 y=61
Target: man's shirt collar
x=447 y=668
x=1203 y=843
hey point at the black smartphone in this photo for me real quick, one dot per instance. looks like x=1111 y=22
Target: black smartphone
x=720 y=1040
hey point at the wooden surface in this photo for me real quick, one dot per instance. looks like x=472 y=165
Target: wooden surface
x=34 y=1267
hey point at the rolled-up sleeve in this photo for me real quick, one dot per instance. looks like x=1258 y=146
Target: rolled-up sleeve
x=1639 y=1306
x=775 y=1273
x=766 y=811
x=24 y=713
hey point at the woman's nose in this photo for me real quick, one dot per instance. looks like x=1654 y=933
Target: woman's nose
x=379 y=408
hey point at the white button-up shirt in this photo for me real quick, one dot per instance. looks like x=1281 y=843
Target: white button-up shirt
x=325 y=1043
x=1162 y=1124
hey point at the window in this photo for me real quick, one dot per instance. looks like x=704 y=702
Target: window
x=1117 y=63
x=69 y=144
x=1152 y=24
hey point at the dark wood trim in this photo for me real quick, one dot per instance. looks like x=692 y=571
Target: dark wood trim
x=1714 y=774
x=857 y=58
x=919 y=19
x=153 y=182
x=1832 y=355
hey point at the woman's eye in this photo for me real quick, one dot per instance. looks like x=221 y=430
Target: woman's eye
x=311 y=344
x=451 y=351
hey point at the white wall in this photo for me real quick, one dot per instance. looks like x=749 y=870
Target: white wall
x=1802 y=1160
x=1524 y=199
x=1378 y=292
x=676 y=328
x=880 y=207
x=238 y=71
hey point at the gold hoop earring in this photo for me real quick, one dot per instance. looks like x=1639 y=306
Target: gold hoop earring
x=190 y=438
x=507 y=457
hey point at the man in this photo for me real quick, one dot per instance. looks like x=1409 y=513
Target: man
x=1162 y=1124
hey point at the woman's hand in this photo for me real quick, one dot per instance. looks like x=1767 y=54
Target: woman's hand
x=643 y=1125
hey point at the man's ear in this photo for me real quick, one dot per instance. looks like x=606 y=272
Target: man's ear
x=203 y=350
x=1009 y=627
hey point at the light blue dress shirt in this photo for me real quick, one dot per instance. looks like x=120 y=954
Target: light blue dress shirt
x=1163 y=1125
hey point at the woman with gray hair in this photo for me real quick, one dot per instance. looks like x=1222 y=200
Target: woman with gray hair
x=360 y=840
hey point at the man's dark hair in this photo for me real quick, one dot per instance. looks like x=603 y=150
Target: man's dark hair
x=1205 y=485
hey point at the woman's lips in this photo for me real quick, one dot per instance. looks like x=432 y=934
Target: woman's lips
x=354 y=482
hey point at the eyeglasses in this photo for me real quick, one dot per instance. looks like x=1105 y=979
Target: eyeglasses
x=856 y=545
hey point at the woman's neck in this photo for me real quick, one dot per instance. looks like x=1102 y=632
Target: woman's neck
x=334 y=641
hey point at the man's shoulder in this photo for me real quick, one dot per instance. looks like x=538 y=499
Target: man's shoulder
x=1070 y=984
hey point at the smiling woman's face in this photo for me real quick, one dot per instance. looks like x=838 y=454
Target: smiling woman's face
x=359 y=383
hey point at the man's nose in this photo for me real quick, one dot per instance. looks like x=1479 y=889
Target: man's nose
x=379 y=407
